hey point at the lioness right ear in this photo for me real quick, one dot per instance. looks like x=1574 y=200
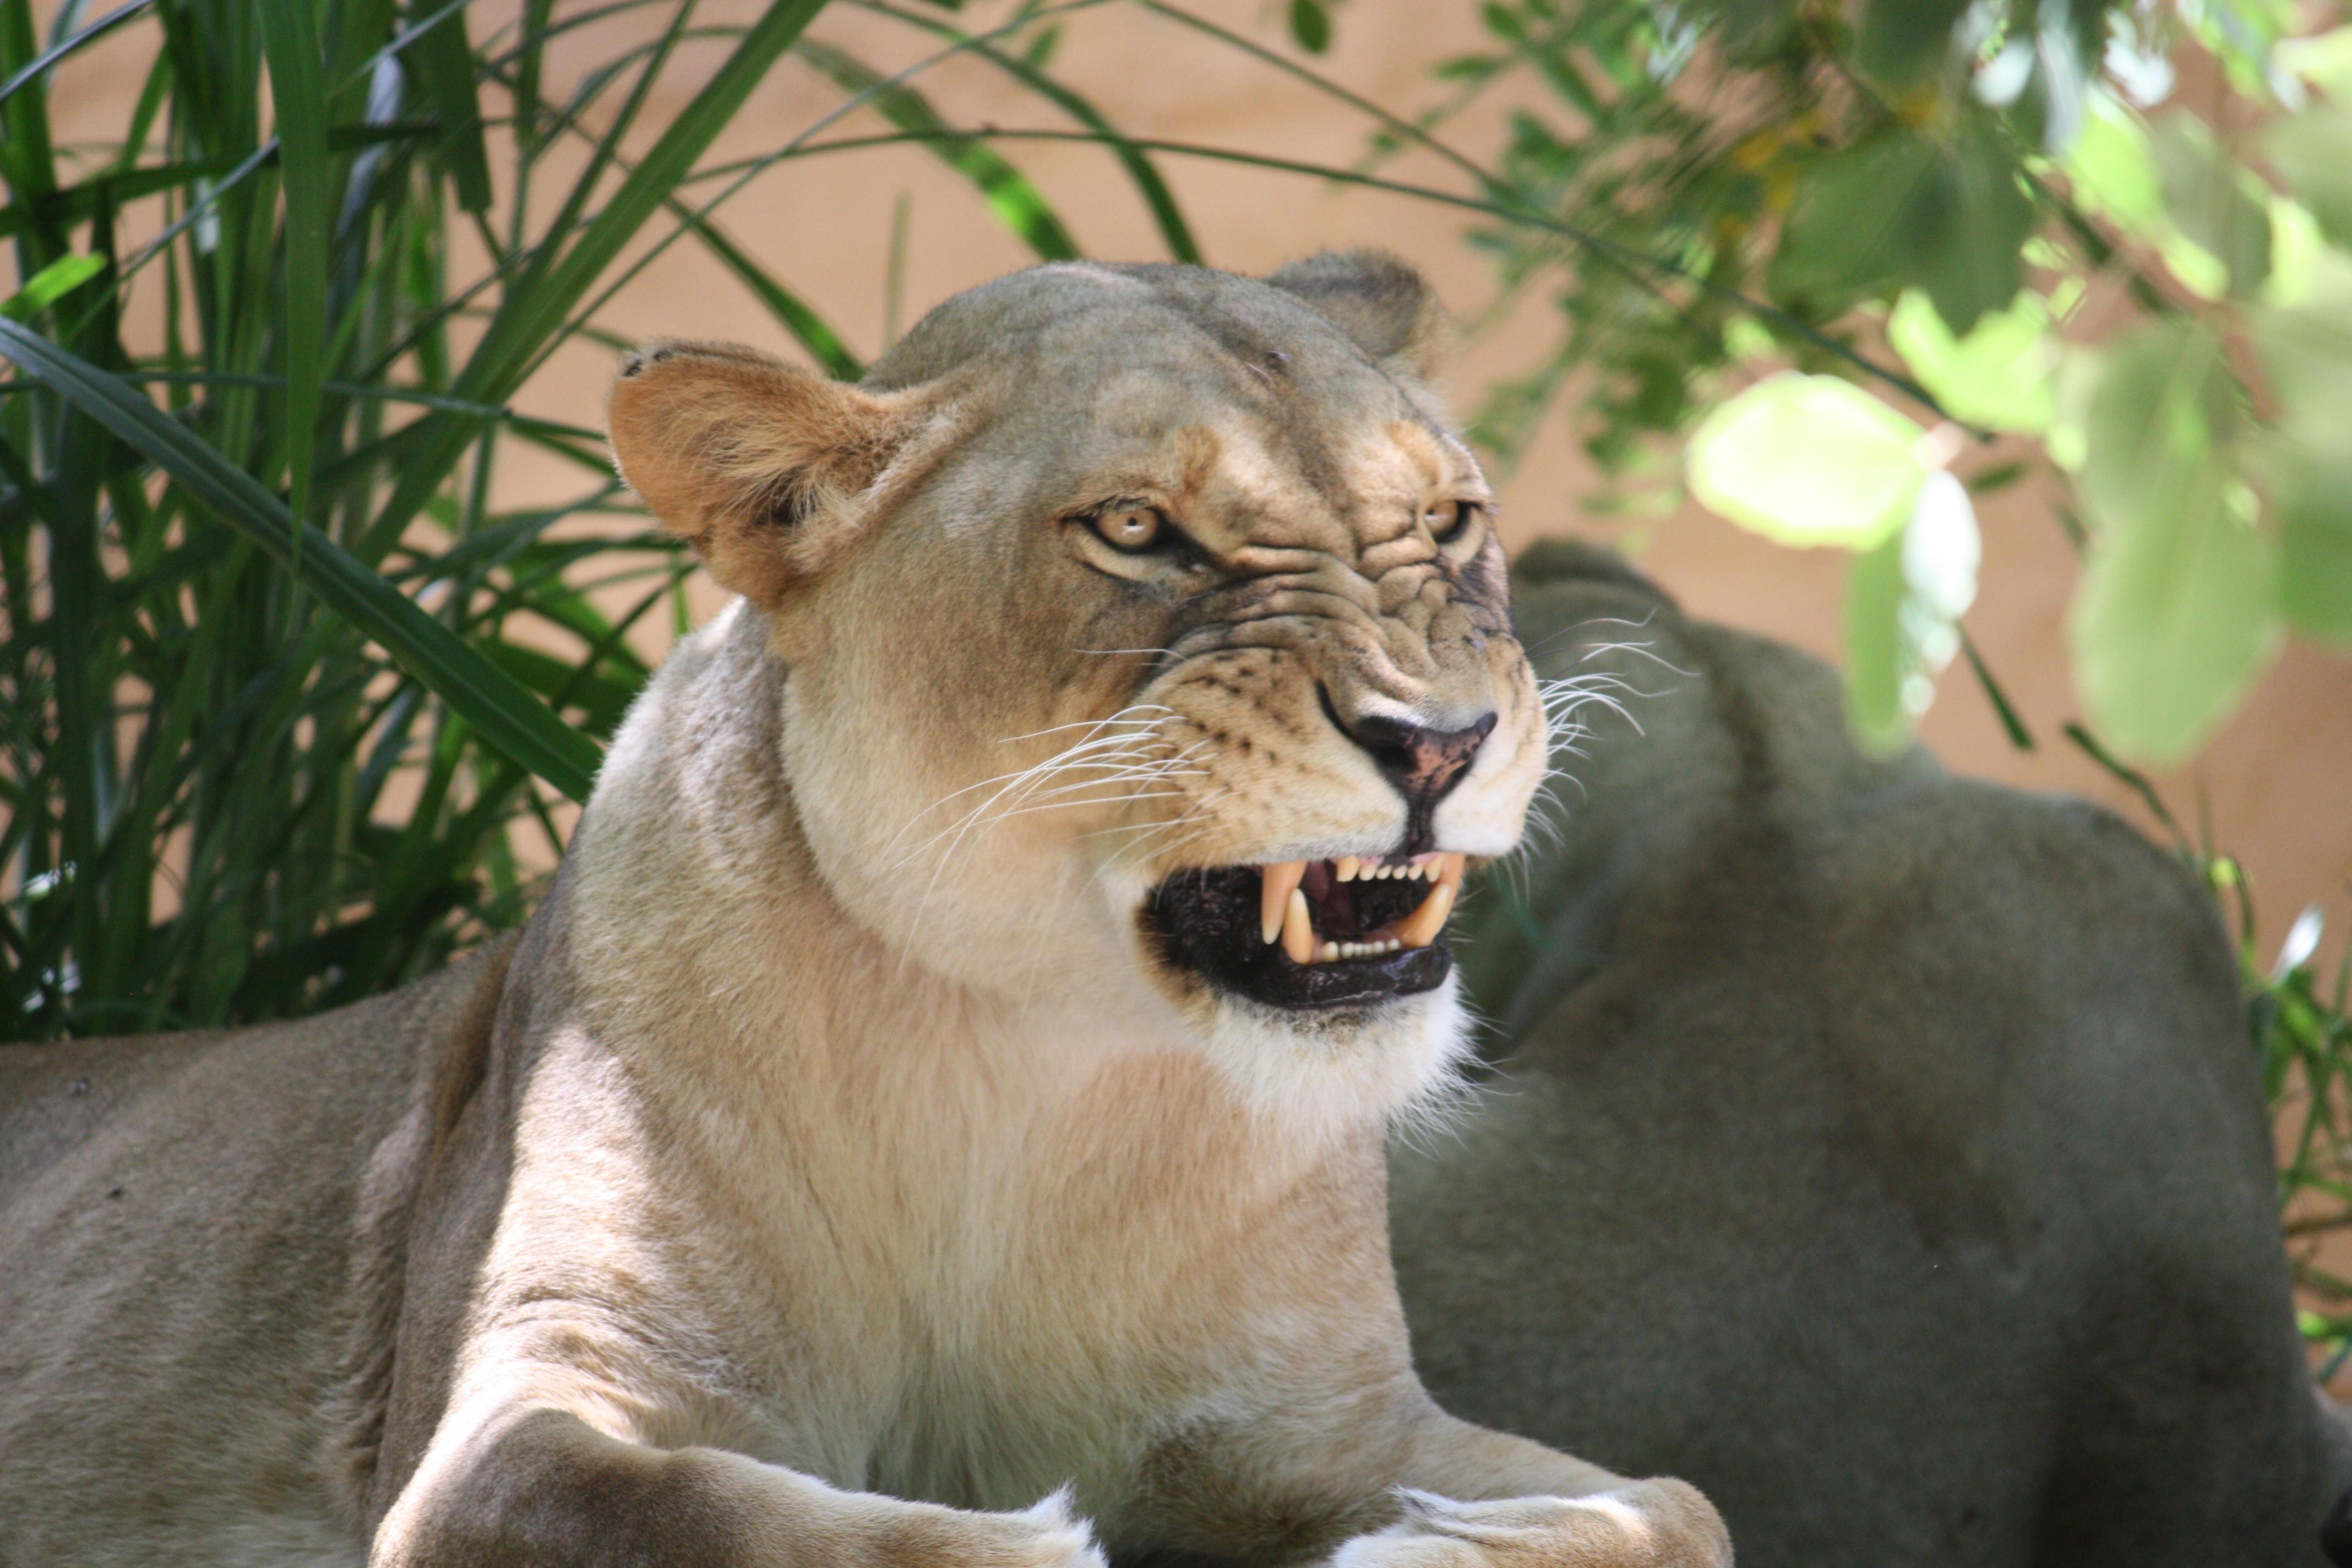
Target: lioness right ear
x=760 y=465
x=1386 y=308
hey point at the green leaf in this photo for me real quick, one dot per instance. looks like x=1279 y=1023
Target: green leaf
x=2002 y=376
x=2179 y=608
x=1901 y=208
x=1853 y=221
x=1310 y=25
x=52 y=284
x=507 y=716
x=2313 y=155
x=442 y=60
x=290 y=32
x=2113 y=169
x=2206 y=195
x=1970 y=255
x=1902 y=40
x=1809 y=459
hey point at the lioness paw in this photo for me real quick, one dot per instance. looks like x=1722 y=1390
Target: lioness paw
x=1644 y=1524
x=1046 y=1536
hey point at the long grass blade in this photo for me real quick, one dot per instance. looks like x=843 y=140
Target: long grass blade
x=526 y=322
x=56 y=52
x=1174 y=232
x=508 y=718
x=1017 y=203
x=290 y=32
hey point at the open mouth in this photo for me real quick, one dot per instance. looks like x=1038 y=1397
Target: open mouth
x=1313 y=933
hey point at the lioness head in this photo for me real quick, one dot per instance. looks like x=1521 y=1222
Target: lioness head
x=1140 y=620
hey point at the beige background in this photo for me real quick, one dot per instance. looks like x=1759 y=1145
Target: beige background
x=2276 y=785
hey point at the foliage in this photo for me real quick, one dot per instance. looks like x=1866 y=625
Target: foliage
x=2012 y=196
x=284 y=693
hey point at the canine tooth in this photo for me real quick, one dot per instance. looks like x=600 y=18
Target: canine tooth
x=1420 y=927
x=1347 y=867
x=1274 y=896
x=1297 y=930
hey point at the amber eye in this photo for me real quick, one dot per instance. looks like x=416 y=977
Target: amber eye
x=1131 y=529
x=1448 y=520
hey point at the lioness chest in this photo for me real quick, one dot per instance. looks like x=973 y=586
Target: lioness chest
x=945 y=1271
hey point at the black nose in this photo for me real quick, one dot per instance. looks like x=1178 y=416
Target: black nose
x=1423 y=765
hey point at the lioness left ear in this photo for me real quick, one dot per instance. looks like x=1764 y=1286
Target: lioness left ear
x=1385 y=307
x=760 y=465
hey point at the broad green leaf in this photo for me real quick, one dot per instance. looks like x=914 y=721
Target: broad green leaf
x=2324 y=60
x=2207 y=196
x=2306 y=355
x=2179 y=608
x=1809 y=459
x=1902 y=40
x=2113 y=169
x=1855 y=218
x=507 y=716
x=2002 y=376
x=2313 y=153
x=290 y=32
x=1903 y=207
x=1971 y=256
x=52 y=284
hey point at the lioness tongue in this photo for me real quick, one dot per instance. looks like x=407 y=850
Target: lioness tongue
x=1284 y=914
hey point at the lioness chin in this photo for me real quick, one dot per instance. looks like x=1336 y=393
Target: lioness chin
x=952 y=1068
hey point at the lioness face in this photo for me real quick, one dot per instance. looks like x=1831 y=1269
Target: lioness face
x=1143 y=623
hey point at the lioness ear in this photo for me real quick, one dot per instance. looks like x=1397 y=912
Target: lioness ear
x=757 y=463
x=1380 y=302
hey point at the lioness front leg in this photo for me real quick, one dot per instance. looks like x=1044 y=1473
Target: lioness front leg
x=1474 y=1499
x=543 y=1487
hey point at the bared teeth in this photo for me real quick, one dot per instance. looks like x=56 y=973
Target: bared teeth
x=1299 y=930
x=1285 y=914
x=1274 y=896
x=1420 y=927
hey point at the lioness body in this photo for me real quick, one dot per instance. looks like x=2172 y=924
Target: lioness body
x=1906 y=1118
x=837 y=1166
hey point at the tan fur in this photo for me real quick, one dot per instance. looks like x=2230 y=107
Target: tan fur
x=846 y=1168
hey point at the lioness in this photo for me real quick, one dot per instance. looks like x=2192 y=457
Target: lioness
x=952 y=1068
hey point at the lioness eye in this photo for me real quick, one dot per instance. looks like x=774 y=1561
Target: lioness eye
x=1134 y=529
x=1449 y=519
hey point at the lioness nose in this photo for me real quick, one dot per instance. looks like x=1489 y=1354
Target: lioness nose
x=1423 y=765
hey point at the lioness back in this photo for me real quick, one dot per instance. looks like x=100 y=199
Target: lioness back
x=187 y=1196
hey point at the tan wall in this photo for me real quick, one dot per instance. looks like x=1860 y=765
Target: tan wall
x=2277 y=784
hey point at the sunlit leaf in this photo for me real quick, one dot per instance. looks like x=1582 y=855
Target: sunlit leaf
x=2113 y=169
x=2206 y=195
x=52 y=284
x=1809 y=459
x=2313 y=153
x=2001 y=376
